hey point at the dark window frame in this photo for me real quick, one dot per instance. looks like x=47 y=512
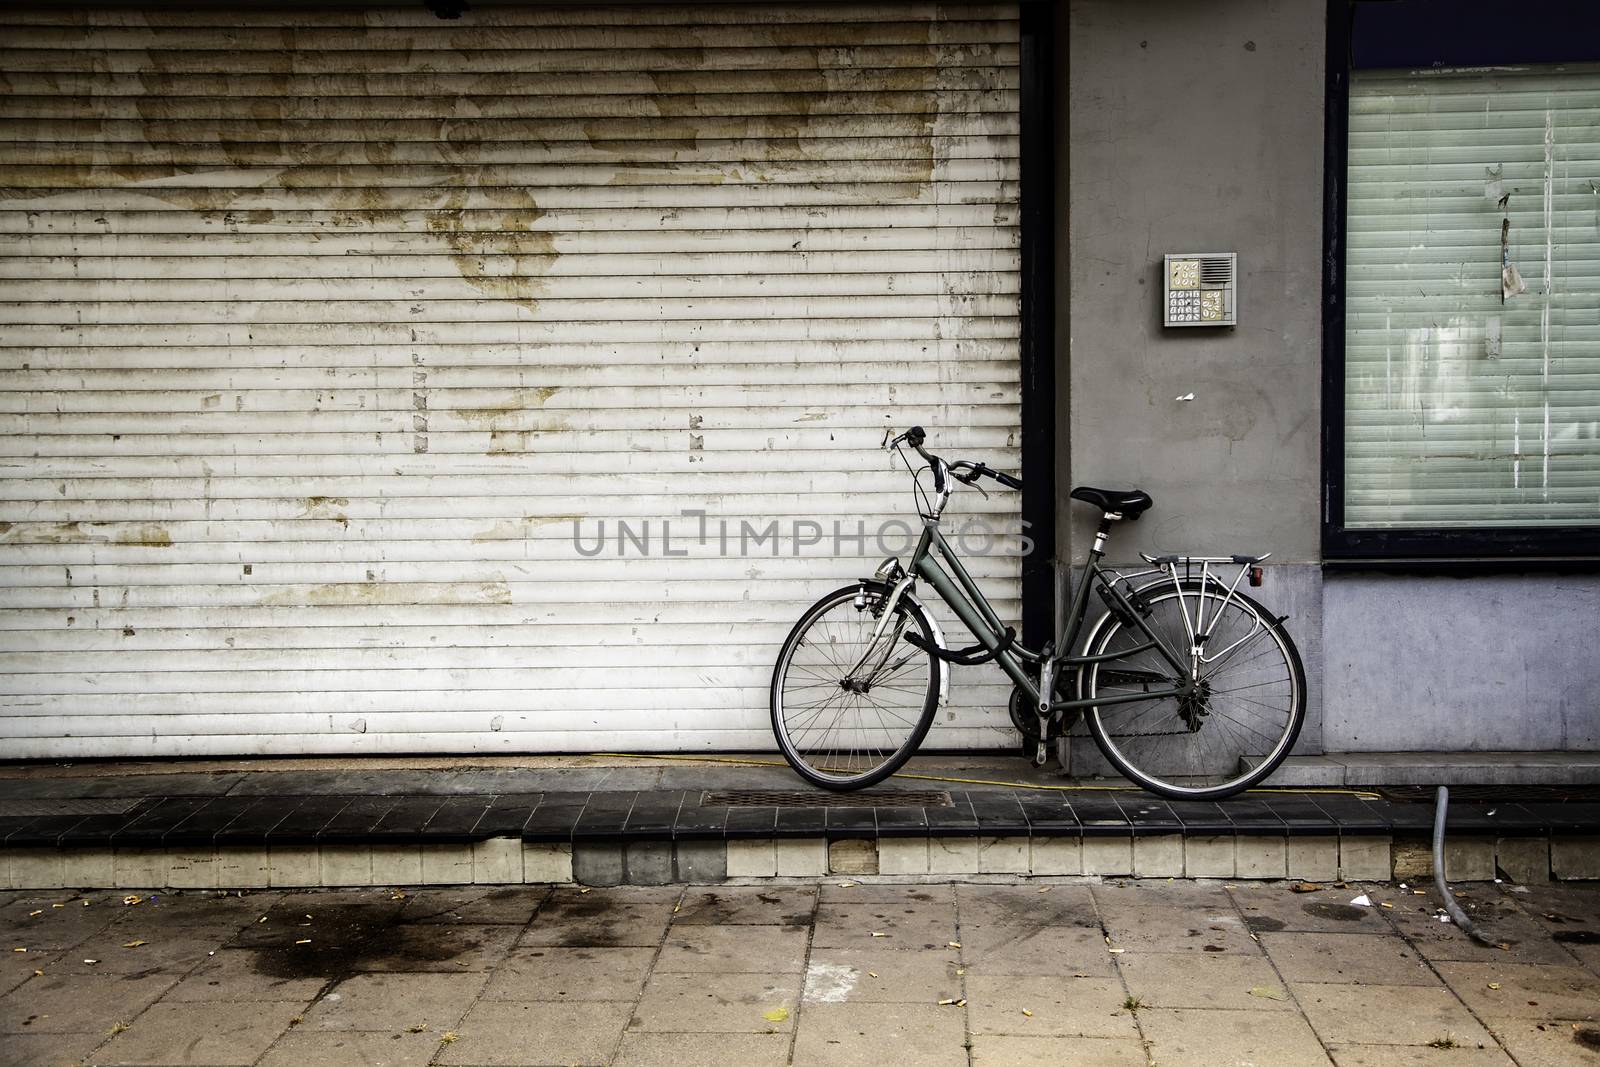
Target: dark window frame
x=1395 y=38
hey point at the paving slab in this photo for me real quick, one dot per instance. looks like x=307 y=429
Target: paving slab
x=572 y=974
x=1525 y=990
x=1204 y=980
x=19 y=967
x=725 y=949
x=1028 y=950
x=199 y=1034
x=747 y=905
x=1025 y=905
x=1348 y=1014
x=871 y=1035
x=1037 y=1007
x=717 y=1003
x=1518 y=937
x=1276 y=906
x=149 y=950
x=394 y=1002
x=1366 y=959
x=536 y=1032
x=1550 y=1042
x=299 y=1048
x=511 y=905
x=849 y=891
x=48 y=1050
x=1011 y=1050
x=232 y=974
x=912 y=924
x=204 y=910
x=676 y=1050
x=78 y=1003
x=601 y=924
x=450 y=949
x=1424 y=1056
x=1203 y=927
x=1196 y=1037
x=883 y=975
x=52 y=928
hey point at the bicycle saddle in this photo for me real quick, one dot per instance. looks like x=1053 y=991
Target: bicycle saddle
x=1130 y=502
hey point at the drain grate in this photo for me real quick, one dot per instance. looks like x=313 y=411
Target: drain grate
x=16 y=809
x=800 y=798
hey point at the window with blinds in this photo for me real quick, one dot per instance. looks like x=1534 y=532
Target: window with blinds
x=1472 y=340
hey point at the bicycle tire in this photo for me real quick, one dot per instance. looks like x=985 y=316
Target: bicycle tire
x=846 y=740
x=1158 y=743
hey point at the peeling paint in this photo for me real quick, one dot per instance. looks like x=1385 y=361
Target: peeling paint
x=145 y=535
x=516 y=400
x=326 y=507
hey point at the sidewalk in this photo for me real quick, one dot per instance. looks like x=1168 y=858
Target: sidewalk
x=630 y=820
x=836 y=972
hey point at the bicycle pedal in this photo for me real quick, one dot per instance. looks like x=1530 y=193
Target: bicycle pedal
x=1040 y=756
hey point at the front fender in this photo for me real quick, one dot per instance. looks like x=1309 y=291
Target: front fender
x=901 y=590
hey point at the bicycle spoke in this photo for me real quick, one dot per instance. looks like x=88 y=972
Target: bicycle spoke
x=842 y=725
x=1241 y=710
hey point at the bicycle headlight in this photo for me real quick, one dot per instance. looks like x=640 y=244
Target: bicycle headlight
x=889 y=571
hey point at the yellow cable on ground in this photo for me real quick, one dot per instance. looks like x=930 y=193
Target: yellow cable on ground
x=1362 y=794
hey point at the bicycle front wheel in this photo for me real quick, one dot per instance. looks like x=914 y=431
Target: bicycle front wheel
x=1239 y=716
x=849 y=709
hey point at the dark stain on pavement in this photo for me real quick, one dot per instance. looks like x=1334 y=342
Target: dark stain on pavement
x=1588 y=1037
x=1343 y=912
x=1264 y=924
x=340 y=937
x=1576 y=937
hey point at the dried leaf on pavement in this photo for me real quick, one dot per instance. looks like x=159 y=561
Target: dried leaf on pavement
x=1267 y=992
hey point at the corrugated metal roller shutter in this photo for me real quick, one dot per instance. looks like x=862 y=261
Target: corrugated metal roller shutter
x=1466 y=405
x=322 y=331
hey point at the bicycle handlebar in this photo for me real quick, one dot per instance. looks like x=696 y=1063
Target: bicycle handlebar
x=916 y=436
x=980 y=470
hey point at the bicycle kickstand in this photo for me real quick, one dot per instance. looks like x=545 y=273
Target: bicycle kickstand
x=1047 y=688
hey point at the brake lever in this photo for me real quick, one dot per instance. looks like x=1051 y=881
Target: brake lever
x=970 y=477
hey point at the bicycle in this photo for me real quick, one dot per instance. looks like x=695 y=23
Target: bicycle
x=1190 y=688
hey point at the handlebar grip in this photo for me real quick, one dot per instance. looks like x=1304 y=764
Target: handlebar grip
x=915 y=436
x=1008 y=480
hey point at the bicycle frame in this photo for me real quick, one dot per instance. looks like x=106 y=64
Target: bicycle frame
x=973 y=609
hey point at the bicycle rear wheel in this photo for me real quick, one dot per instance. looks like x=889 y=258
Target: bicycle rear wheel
x=1238 y=722
x=842 y=726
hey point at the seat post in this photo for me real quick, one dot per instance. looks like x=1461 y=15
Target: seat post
x=1102 y=533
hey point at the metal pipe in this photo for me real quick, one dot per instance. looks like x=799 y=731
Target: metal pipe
x=1459 y=917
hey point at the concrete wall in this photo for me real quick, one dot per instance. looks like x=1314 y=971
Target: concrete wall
x=1198 y=128
x=1461 y=664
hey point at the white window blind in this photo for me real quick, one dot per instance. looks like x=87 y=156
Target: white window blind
x=1469 y=400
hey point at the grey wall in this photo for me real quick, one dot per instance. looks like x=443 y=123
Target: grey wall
x=1194 y=127
x=1197 y=128
x=1461 y=664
